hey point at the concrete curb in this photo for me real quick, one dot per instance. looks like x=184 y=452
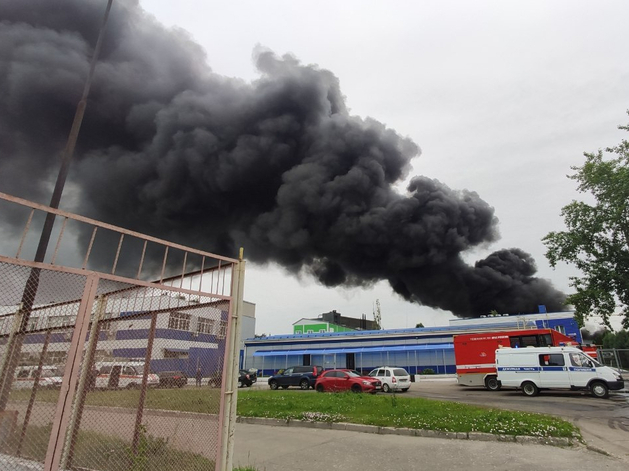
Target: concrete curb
x=478 y=436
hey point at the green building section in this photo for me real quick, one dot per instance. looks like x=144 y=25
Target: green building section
x=316 y=328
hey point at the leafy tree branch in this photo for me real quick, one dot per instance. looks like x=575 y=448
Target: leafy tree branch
x=597 y=237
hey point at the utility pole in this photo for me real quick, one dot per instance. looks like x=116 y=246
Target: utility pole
x=14 y=346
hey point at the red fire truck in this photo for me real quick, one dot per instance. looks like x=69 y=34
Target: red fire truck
x=475 y=354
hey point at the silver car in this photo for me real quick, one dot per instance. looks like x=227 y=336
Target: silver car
x=392 y=378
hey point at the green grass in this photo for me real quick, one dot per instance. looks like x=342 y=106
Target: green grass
x=107 y=453
x=383 y=410
x=203 y=400
x=396 y=411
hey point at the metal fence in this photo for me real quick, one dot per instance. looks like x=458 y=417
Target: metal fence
x=104 y=371
x=614 y=357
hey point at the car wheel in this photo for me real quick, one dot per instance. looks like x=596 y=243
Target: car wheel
x=273 y=385
x=132 y=386
x=599 y=390
x=386 y=388
x=492 y=383
x=304 y=384
x=356 y=389
x=320 y=388
x=530 y=389
x=239 y=384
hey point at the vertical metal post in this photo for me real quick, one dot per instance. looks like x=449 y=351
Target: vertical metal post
x=145 y=375
x=79 y=403
x=57 y=442
x=228 y=410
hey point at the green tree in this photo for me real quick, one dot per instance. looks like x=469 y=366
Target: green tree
x=420 y=325
x=597 y=237
x=616 y=339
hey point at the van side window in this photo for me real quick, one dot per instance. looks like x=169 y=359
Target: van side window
x=23 y=374
x=553 y=359
x=529 y=341
x=545 y=340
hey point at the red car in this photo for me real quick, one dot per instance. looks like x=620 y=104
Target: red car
x=346 y=380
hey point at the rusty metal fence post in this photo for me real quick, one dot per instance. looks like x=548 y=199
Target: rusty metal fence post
x=57 y=441
x=228 y=413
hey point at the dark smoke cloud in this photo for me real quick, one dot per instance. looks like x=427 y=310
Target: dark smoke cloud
x=278 y=166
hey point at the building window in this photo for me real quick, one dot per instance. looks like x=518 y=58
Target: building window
x=175 y=354
x=205 y=325
x=55 y=358
x=60 y=321
x=561 y=329
x=179 y=321
x=103 y=355
x=33 y=322
x=222 y=333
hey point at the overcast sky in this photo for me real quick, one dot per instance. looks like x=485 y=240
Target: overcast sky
x=503 y=98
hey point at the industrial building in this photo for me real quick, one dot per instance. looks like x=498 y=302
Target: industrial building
x=415 y=349
x=333 y=322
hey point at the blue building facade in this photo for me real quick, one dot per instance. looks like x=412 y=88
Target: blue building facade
x=416 y=349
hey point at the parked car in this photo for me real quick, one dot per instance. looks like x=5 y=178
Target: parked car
x=346 y=380
x=392 y=378
x=171 y=379
x=245 y=379
x=51 y=377
x=303 y=376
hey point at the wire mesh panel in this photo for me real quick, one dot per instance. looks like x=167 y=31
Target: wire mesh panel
x=147 y=393
x=615 y=357
x=104 y=372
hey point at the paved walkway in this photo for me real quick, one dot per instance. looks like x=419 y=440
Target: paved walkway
x=271 y=448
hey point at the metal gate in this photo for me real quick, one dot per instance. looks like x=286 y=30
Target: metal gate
x=614 y=357
x=132 y=367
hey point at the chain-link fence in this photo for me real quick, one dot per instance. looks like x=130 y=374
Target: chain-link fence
x=105 y=372
x=615 y=357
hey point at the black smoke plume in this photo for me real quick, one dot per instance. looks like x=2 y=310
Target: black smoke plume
x=278 y=165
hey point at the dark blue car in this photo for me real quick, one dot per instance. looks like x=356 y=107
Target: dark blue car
x=304 y=377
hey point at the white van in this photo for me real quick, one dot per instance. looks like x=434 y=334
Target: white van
x=51 y=377
x=114 y=375
x=535 y=368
